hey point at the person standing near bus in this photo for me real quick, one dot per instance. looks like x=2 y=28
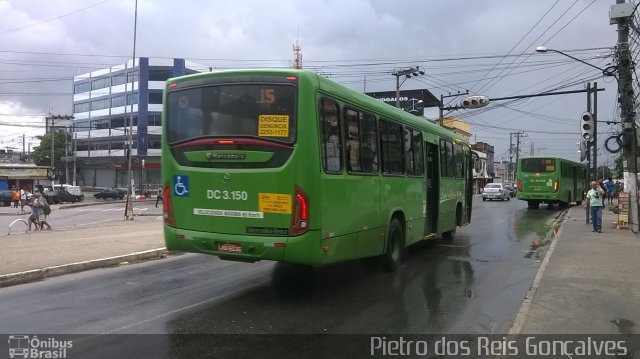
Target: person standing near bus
x=159 y=197
x=595 y=199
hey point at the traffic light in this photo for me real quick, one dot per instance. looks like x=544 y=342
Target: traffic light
x=474 y=102
x=586 y=126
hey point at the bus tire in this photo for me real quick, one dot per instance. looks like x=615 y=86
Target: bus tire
x=395 y=246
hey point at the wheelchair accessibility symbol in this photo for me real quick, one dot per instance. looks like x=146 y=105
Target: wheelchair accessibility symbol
x=181 y=186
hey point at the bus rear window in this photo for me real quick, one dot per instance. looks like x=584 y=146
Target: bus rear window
x=231 y=110
x=538 y=165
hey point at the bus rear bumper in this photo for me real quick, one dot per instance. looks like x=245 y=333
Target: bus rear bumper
x=244 y=248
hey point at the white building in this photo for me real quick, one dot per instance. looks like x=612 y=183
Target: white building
x=104 y=101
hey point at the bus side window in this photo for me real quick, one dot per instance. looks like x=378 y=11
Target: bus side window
x=332 y=149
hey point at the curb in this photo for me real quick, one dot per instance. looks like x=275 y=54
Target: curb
x=40 y=274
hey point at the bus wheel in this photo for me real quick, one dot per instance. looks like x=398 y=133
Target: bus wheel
x=395 y=246
x=532 y=204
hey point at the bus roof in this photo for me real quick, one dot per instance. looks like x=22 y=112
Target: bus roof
x=552 y=157
x=338 y=90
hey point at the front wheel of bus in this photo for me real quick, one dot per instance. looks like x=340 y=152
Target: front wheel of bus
x=395 y=246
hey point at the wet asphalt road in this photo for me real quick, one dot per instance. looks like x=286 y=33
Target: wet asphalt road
x=474 y=284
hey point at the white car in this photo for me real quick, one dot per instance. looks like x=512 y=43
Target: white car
x=496 y=191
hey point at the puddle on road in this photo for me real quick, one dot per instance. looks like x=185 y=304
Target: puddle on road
x=537 y=249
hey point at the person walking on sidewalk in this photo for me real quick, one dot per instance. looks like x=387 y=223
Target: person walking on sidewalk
x=44 y=212
x=595 y=198
x=159 y=197
x=23 y=200
x=610 y=187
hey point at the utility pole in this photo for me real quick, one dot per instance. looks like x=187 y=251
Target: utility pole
x=510 y=155
x=75 y=139
x=627 y=114
x=128 y=210
x=50 y=129
x=66 y=157
x=533 y=151
x=518 y=135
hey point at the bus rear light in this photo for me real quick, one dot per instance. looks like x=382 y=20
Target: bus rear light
x=519 y=185
x=173 y=86
x=556 y=184
x=167 y=207
x=279 y=244
x=300 y=213
x=226 y=142
x=291 y=78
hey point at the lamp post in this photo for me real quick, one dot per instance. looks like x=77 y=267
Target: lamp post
x=609 y=71
x=407 y=73
x=128 y=212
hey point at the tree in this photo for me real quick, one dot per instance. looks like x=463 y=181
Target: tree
x=618 y=168
x=41 y=154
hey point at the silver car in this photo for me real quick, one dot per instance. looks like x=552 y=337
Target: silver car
x=495 y=191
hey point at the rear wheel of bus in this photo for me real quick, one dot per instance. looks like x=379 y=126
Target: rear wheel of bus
x=395 y=246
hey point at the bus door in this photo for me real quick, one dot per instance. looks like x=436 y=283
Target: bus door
x=431 y=187
x=468 y=194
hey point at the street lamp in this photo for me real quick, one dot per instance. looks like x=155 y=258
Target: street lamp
x=609 y=71
x=407 y=73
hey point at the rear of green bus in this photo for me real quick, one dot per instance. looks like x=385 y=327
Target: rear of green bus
x=237 y=165
x=538 y=180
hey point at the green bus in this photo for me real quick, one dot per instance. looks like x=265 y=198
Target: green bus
x=550 y=180
x=286 y=165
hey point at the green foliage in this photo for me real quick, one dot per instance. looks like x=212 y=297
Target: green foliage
x=41 y=155
x=618 y=168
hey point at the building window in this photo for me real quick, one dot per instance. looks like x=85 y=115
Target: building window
x=155 y=98
x=160 y=75
x=118 y=101
x=155 y=120
x=100 y=83
x=135 y=99
x=82 y=107
x=119 y=79
x=82 y=87
x=81 y=126
x=132 y=76
x=155 y=144
x=100 y=104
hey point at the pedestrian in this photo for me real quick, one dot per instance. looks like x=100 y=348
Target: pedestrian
x=159 y=197
x=15 y=197
x=45 y=211
x=595 y=199
x=610 y=187
x=23 y=200
x=34 y=218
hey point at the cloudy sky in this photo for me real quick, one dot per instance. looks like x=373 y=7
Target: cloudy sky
x=484 y=46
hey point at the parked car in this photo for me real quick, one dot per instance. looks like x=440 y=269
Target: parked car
x=113 y=193
x=60 y=196
x=495 y=191
x=74 y=190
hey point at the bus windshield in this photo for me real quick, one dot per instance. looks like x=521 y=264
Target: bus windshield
x=538 y=165
x=259 y=110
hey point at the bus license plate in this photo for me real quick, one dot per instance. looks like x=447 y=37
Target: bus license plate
x=229 y=247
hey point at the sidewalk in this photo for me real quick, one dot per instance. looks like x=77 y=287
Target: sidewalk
x=150 y=203
x=41 y=254
x=588 y=283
